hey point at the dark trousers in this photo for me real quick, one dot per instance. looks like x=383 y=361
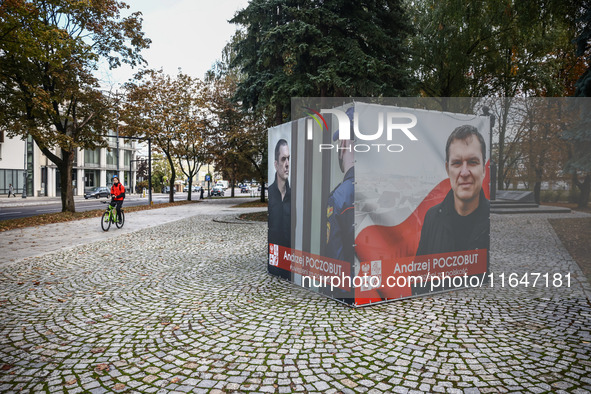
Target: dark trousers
x=118 y=204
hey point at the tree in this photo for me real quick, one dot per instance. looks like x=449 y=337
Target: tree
x=191 y=150
x=294 y=48
x=579 y=135
x=583 y=43
x=238 y=136
x=158 y=106
x=227 y=128
x=141 y=175
x=542 y=148
x=48 y=51
x=161 y=171
x=495 y=48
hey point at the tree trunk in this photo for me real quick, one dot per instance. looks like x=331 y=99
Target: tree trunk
x=171 y=192
x=262 y=181
x=278 y=114
x=190 y=188
x=585 y=188
x=537 y=190
x=501 y=159
x=67 y=194
x=172 y=178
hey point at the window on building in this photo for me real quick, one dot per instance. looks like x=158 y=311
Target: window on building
x=92 y=157
x=127 y=159
x=91 y=179
x=110 y=175
x=112 y=157
x=14 y=177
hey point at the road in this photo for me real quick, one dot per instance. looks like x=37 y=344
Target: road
x=8 y=212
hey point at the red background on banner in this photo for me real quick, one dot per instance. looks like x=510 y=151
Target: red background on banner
x=385 y=292
x=340 y=268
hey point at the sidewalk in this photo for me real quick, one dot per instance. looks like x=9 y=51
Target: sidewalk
x=187 y=306
x=18 y=201
x=32 y=241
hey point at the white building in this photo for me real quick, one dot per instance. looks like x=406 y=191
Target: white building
x=91 y=168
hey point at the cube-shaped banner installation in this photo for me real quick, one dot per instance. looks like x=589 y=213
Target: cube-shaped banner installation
x=375 y=201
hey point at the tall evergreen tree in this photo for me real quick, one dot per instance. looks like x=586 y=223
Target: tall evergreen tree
x=583 y=42
x=295 y=48
x=579 y=135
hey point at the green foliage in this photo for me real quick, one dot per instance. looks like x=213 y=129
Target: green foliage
x=162 y=108
x=480 y=48
x=237 y=137
x=294 y=48
x=583 y=42
x=48 y=51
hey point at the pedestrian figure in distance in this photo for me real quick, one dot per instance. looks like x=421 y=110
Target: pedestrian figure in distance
x=11 y=190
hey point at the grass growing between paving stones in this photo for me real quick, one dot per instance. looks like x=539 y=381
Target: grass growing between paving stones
x=575 y=234
x=60 y=217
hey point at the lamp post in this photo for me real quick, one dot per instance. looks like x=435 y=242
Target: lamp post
x=132 y=171
x=493 y=166
x=24 y=195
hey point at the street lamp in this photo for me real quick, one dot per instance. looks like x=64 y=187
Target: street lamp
x=493 y=166
x=24 y=195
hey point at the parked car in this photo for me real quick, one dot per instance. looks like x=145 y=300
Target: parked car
x=98 y=192
x=217 y=191
x=244 y=189
x=196 y=188
x=186 y=189
x=166 y=189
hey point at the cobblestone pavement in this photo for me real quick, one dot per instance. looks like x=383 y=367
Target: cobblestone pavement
x=188 y=307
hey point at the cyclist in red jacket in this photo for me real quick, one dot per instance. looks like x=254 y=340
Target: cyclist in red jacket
x=117 y=195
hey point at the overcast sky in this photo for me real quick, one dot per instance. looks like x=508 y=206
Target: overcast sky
x=189 y=34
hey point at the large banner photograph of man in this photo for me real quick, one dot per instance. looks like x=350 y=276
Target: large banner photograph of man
x=422 y=211
x=461 y=221
x=370 y=202
x=279 y=195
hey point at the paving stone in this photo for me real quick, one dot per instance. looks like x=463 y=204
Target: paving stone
x=240 y=329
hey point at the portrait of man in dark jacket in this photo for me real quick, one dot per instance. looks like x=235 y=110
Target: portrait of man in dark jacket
x=461 y=221
x=280 y=198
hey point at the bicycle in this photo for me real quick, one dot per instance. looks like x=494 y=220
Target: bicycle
x=110 y=216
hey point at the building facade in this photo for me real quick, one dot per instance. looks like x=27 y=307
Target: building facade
x=92 y=168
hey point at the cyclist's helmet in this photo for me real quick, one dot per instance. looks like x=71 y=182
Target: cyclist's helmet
x=115 y=177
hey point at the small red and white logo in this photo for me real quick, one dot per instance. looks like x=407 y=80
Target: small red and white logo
x=274 y=255
x=371 y=275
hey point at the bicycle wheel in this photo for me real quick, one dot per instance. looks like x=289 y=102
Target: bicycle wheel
x=106 y=221
x=120 y=224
